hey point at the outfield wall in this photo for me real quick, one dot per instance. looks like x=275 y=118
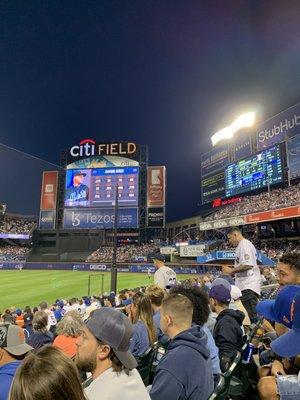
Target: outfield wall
x=106 y=267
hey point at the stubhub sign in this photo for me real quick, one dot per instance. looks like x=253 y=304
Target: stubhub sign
x=100 y=218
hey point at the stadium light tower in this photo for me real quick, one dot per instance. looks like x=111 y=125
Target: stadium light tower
x=243 y=121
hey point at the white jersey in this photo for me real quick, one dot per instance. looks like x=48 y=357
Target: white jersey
x=112 y=385
x=245 y=254
x=164 y=276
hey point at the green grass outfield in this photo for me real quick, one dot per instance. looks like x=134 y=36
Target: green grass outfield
x=31 y=287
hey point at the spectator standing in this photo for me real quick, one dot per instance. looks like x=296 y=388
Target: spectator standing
x=51 y=317
x=41 y=336
x=185 y=370
x=12 y=350
x=102 y=349
x=164 y=276
x=246 y=271
x=144 y=333
x=47 y=374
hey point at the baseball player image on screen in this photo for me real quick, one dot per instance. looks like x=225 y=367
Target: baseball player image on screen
x=77 y=194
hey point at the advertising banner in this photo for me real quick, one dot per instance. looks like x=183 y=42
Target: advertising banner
x=47 y=219
x=280 y=213
x=293 y=152
x=215 y=159
x=213 y=186
x=167 y=250
x=222 y=223
x=156 y=186
x=100 y=218
x=192 y=251
x=278 y=128
x=242 y=147
x=156 y=217
x=49 y=190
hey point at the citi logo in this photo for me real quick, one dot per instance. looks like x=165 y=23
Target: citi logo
x=86 y=148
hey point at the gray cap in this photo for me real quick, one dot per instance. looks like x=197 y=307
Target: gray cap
x=112 y=327
x=12 y=339
x=221 y=281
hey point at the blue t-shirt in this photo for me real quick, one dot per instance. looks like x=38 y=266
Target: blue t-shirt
x=139 y=342
x=7 y=373
x=161 y=337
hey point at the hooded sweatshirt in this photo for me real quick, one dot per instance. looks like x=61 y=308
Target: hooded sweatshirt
x=228 y=332
x=7 y=373
x=185 y=371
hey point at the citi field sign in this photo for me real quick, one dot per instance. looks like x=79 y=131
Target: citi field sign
x=89 y=148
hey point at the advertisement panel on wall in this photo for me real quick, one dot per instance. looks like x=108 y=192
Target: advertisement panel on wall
x=242 y=147
x=192 y=250
x=280 y=213
x=293 y=153
x=47 y=219
x=156 y=217
x=214 y=160
x=278 y=128
x=213 y=186
x=100 y=218
x=49 y=190
x=222 y=223
x=156 y=186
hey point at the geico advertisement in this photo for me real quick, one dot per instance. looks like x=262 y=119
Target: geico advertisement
x=101 y=218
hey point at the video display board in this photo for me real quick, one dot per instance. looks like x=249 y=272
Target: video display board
x=255 y=172
x=213 y=187
x=97 y=187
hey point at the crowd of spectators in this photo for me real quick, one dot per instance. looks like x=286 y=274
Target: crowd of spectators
x=17 y=225
x=126 y=253
x=277 y=198
x=13 y=253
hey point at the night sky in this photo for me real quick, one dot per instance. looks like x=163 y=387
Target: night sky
x=163 y=73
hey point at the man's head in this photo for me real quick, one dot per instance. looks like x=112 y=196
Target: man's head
x=266 y=272
x=288 y=269
x=156 y=295
x=219 y=298
x=78 y=178
x=104 y=343
x=43 y=305
x=234 y=236
x=158 y=260
x=12 y=343
x=176 y=314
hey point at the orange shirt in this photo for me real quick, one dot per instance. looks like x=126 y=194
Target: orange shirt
x=20 y=321
x=66 y=344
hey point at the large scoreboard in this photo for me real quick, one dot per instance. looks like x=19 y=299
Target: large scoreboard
x=255 y=172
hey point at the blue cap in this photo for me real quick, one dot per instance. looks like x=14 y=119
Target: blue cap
x=127 y=302
x=288 y=345
x=279 y=310
x=221 y=281
x=220 y=293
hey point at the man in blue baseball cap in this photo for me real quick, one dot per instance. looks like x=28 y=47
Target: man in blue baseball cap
x=286 y=310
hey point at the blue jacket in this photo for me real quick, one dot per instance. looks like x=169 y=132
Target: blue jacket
x=213 y=351
x=185 y=372
x=139 y=341
x=7 y=373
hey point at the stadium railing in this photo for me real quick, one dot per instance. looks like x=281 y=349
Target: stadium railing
x=220 y=391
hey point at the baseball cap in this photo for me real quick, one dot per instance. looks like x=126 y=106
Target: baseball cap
x=114 y=328
x=79 y=173
x=288 y=345
x=220 y=293
x=159 y=257
x=221 y=281
x=279 y=310
x=12 y=339
x=235 y=292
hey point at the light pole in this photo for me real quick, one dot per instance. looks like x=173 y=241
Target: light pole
x=114 y=269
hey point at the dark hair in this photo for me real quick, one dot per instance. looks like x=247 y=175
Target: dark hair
x=233 y=230
x=40 y=321
x=117 y=366
x=291 y=259
x=27 y=310
x=47 y=373
x=43 y=305
x=199 y=300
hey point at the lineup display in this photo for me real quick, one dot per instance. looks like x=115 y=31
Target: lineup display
x=213 y=186
x=255 y=172
x=97 y=187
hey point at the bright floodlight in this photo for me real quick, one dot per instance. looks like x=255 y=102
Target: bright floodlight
x=243 y=121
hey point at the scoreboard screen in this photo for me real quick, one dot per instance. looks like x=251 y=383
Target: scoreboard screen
x=213 y=186
x=255 y=172
x=97 y=187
